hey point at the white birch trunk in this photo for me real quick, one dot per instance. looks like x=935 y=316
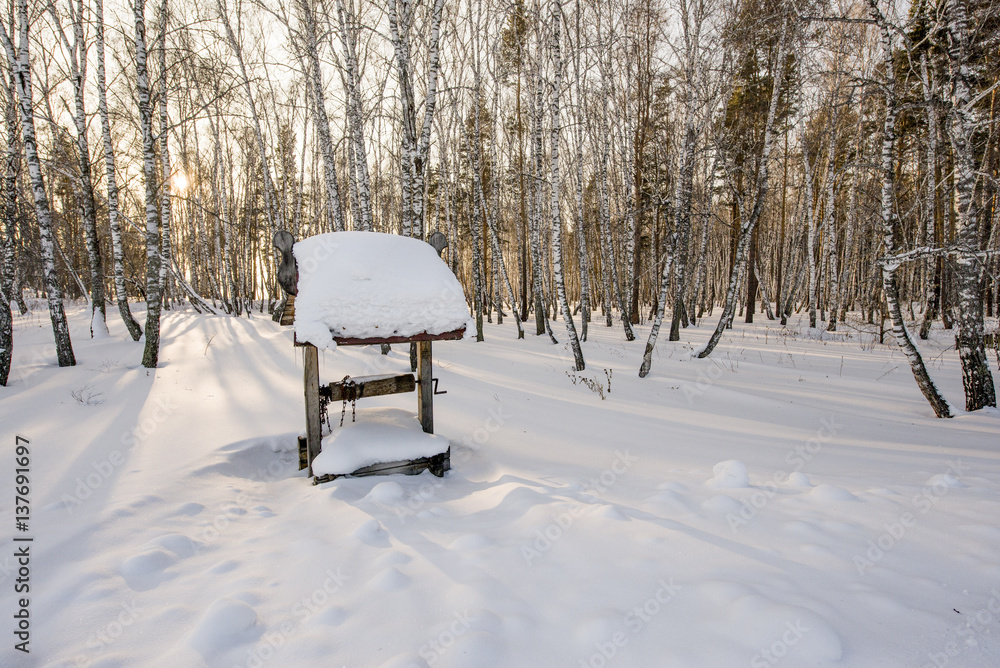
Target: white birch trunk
x=117 y=250
x=322 y=121
x=151 y=351
x=355 y=117
x=20 y=65
x=890 y=227
x=555 y=183
x=977 y=379
x=166 y=172
x=749 y=222
x=810 y=224
x=76 y=53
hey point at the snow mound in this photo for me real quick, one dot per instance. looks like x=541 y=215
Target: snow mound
x=731 y=473
x=379 y=435
x=799 y=479
x=373 y=285
x=227 y=622
x=825 y=493
x=386 y=493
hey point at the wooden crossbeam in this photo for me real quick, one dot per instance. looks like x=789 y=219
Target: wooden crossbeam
x=368 y=386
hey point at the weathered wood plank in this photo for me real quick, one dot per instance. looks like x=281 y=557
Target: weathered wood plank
x=288 y=315
x=425 y=372
x=314 y=428
x=453 y=335
x=369 y=386
x=303 y=453
x=437 y=465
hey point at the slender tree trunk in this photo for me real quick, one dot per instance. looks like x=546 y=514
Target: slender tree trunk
x=8 y=257
x=890 y=227
x=969 y=270
x=355 y=117
x=750 y=222
x=166 y=172
x=318 y=96
x=830 y=230
x=20 y=65
x=117 y=250
x=151 y=352
x=77 y=55
x=541 y=324
x=811 y=225
x=583 y=260
x=555 y=182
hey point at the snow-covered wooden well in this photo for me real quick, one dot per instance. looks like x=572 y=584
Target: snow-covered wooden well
x=368 y=288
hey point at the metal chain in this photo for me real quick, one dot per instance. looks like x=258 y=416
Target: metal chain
x=349 y=390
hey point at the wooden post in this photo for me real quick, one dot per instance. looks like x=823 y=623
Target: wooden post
x=314 y=428
x=425 y=399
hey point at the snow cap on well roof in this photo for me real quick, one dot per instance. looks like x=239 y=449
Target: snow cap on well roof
x=371 y=285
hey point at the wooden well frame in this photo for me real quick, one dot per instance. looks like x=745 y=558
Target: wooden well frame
x=311 y=445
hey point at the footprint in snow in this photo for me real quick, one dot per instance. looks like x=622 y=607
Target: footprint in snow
x=189 y=509
x=147 y=570
x=182 y=546
x=225 y=567
x=264 y=511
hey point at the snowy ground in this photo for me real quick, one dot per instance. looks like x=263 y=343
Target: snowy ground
x=789 y=501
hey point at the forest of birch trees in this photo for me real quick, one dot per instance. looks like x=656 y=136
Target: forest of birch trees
x=644 y=165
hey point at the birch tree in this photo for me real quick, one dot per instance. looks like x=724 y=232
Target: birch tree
x=749 y=219
x=969 y=269
x=555 y=44
x=151 y=351
x=355 y=117
x=414 y=150
x=76 y=53
x=8 y=256
x=692 y=17
x=310 y=44
x=20 y=65
x=890 y=222
x=117 y=251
